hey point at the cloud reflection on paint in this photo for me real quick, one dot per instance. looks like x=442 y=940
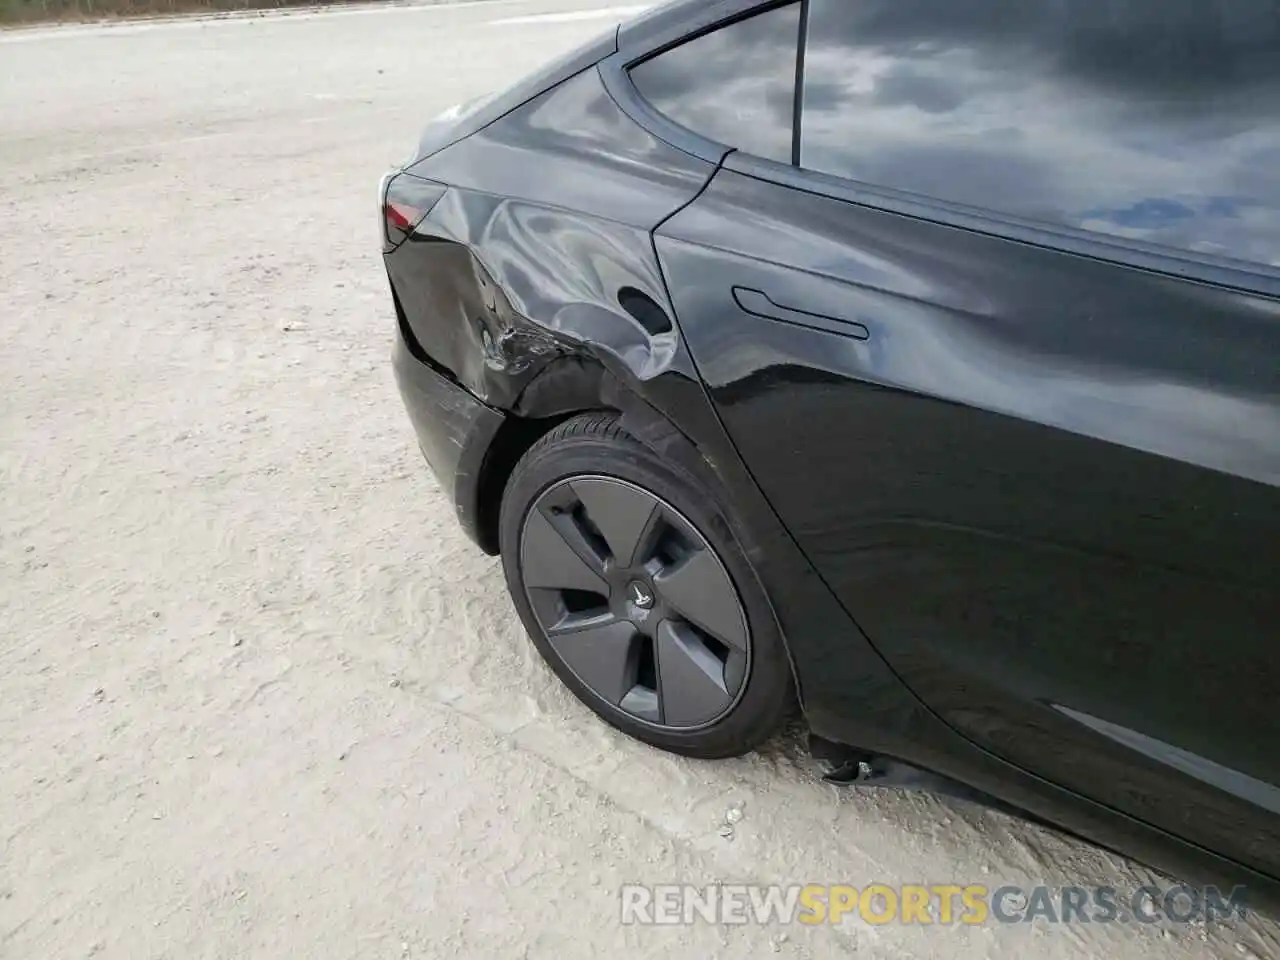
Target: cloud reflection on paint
x=1154 y=122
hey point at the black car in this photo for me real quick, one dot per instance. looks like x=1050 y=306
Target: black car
x=912 y=362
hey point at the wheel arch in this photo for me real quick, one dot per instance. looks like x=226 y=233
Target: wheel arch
x=566 y=388
x=649 y=410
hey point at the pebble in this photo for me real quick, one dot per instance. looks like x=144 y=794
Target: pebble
x=727 y=832
x=734 y=815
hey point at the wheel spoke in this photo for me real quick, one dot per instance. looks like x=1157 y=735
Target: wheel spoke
x=601 y=651
x=549 y=560
x=623 y=514
x=699 y=589
x=691 y=685
x=642 y=702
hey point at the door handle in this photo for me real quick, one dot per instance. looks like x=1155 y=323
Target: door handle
x=760 y=304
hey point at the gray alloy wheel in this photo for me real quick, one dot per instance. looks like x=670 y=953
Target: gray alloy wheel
x=635 y=602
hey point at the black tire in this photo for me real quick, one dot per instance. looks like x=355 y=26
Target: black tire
x=596 y=446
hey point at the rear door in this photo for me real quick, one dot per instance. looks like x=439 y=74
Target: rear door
x=1000 y=341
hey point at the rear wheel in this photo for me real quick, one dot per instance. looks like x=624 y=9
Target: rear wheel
x=630 y=583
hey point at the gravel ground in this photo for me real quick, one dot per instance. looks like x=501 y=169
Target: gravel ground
x=258 y=696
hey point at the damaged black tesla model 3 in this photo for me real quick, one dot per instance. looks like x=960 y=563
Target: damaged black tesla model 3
x=916 y=362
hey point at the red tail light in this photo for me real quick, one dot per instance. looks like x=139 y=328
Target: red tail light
x=402 y=217
x=406 y=201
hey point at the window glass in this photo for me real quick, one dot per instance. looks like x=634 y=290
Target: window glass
x=735 y=85
x=1151 y=119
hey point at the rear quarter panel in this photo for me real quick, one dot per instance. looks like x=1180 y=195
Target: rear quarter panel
x=507 y=276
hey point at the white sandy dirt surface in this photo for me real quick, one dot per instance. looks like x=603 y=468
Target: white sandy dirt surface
x=258 y=695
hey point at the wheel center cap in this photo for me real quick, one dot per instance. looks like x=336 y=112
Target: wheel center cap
x=640 y=595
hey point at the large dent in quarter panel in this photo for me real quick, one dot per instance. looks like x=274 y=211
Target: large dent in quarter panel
x=506 y=279
x=496 y=291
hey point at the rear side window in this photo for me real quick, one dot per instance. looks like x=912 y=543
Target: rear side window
x=1157 y=120
x=735 y=85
